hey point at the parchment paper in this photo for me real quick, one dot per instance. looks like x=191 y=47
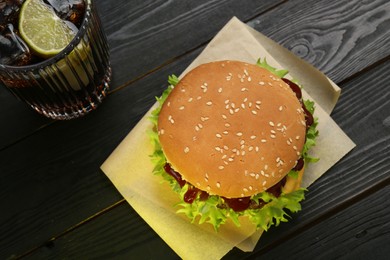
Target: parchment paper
x=130 y=169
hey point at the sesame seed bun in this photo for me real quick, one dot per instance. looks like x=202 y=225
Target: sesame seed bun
x=232 y=129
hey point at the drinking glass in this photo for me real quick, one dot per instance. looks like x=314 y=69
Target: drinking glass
x=71 y=83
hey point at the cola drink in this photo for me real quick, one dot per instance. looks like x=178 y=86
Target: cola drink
x=13 y=49
x=68 y=85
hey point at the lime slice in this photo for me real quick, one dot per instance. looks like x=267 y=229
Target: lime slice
x=44 y=32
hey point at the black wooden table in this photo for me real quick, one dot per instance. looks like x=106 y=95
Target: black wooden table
x=57 y=203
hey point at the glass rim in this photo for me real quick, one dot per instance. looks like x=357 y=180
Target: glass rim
x=62 y=54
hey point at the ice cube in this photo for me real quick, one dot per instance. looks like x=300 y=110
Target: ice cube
x=70 y=10
x=13 y=50
x=9 y=12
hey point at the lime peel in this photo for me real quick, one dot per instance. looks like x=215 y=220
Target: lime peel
x=43 y=31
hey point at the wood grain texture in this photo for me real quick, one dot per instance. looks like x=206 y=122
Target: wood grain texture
x=51 y=180
x=363 y=232
x=340 y=38
x=99 y=243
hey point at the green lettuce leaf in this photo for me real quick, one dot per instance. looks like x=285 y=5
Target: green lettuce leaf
x=213 y=210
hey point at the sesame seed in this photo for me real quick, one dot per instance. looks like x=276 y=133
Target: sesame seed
x=242 y=142
x=200 y=126
x=252 y=174
x=246 y=72
x=245 y=189
x=280 y=108
x=249 y=79
x=220 y=90
x=181 y=108
x=231 y=111
x=257 y=106
x=250 y=188
x=257 y=148
x=242 y=153
x=273 y=132
x=254 y=112
x=227 y=101
x=224 y=156
x=264 y=183
x=186 y=150
x=224 y=116
x=250 y=104
x=231 y=159
x=244 y=89
x=217 y=148
x=258 y=102
x=227 y=125
x=261 y=83
x=273 y=136
x=239 y=134
x=263 y=140
x=266 y=167
x=190 y=100
x=221 y=167
x=237 y=109
x=197 y=128
x=199 y=98
x=218 y=136
x=257 y=176
x=297 y=137
x=209 y=103
x=245 y=99
x=243 y=105
x=294 y=147
x=253 y=137
x=169 y=104
x=218 y=185
x=225 y=132
x=271 y=123
x=204 y=118
x=225 y=147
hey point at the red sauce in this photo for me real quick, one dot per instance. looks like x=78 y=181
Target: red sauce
x=168 y=169
x=294 y=87
x=299 y=165
x=297 y=90
x=238 y=204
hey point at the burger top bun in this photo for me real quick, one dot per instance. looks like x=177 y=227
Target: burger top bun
x=232 y=129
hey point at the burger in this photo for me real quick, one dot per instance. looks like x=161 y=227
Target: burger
x=232 y=140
